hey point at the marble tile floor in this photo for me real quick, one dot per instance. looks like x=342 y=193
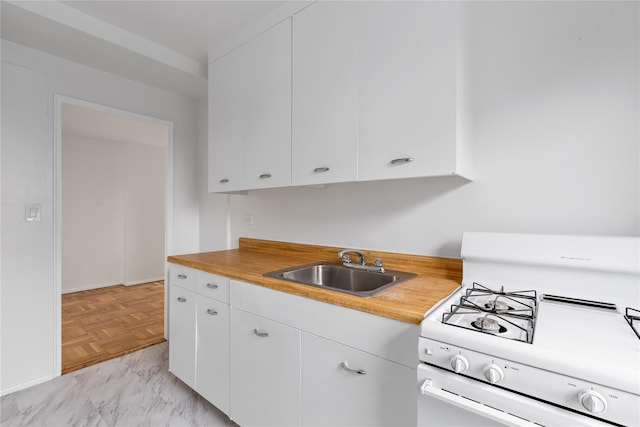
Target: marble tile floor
x=132 y=390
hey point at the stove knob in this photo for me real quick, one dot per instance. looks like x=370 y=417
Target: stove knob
x=493 y=373
x=593 y=401
x=459 y=363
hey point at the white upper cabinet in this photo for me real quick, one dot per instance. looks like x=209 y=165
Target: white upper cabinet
x=250 y=114
x=341 y=92
x=267 y=113
x=375 y=88
x=325 y=94
x=407 y=88
x=226 y=145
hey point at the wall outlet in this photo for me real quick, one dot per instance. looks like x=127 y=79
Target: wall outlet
x=247 y=219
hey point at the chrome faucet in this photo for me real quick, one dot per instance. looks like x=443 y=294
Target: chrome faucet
x=346 y=261
x=347 y=258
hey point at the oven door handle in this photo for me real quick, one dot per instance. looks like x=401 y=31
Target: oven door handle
x=428 y=389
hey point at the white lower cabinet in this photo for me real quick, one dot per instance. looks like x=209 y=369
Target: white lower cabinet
x=182 y=334
x=270 y=358
x=348 y=387
x=212 y=354
x=265 y=371
x=199 y=332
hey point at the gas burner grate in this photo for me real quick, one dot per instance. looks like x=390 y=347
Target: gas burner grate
x=516 y=311
x=521 y=303
x=632 y=316
x=517 y=323
x=481 y=289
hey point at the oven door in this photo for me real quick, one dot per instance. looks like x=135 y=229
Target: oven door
x=449 y=399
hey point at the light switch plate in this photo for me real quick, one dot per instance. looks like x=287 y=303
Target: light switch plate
x=32 y=212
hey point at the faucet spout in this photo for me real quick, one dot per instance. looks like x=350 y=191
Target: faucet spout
x=346 y=261
x=347 y=258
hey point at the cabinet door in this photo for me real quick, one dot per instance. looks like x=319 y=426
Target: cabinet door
x=267 y=109
x=407 y=89
x=325 y=94
x=182 y=334
x=345 y=386
x=212 y=355
x=226 y=103
x=265 y=371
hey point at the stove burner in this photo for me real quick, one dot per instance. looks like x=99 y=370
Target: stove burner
x=486 y=324
x=510 y=315
x=631 y=315
x=497 y=306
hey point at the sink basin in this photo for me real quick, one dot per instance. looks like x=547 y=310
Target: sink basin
x=343 y=279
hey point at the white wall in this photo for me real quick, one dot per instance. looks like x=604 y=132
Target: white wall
x=213 y=207
x=27 y=291
x=93 y=213
x=29 y=328
x=112 y=213
x=553 y=103
x=144 y=214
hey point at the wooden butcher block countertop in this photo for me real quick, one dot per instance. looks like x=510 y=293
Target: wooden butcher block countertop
x=407 y=301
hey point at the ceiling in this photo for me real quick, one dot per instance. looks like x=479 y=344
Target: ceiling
x=114 y=126
x=162 y=43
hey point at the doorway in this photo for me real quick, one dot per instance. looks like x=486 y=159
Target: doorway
x=113 y=193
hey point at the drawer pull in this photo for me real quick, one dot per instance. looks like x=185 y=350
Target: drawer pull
x=265 y=176
x=212 y=312
x=260 y=333
x=346 y=368
x=212 y=286
x=401 y=161
x=320 y=170
x=182 y=276
x=182 y=299
x=224 y=181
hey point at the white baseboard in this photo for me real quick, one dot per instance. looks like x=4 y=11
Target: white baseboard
x=105 y=285
x=89 y=287
x=27 y=384
x=139 y=282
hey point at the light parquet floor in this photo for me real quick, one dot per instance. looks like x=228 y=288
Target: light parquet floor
x=102 y=324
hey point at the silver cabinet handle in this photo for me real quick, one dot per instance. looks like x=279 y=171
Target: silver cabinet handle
x=212 y=312
x=224 y=181
x=320 y=170
x=182 y=299
x=260 y=334
x=182 y=276
x=346 y=368
x=212 y=286
x=401 y=161
x=265 y=176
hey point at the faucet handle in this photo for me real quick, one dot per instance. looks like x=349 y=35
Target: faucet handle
x=346 y=258
x=378 y=262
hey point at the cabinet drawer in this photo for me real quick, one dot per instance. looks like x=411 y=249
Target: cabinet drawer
x=182 y=276
x=212 y=285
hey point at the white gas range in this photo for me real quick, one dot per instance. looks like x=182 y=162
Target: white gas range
x=544 y=330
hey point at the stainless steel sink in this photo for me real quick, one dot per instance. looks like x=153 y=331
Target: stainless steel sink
x=343 y=279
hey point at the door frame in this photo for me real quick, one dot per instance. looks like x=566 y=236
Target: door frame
x=57 y=208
